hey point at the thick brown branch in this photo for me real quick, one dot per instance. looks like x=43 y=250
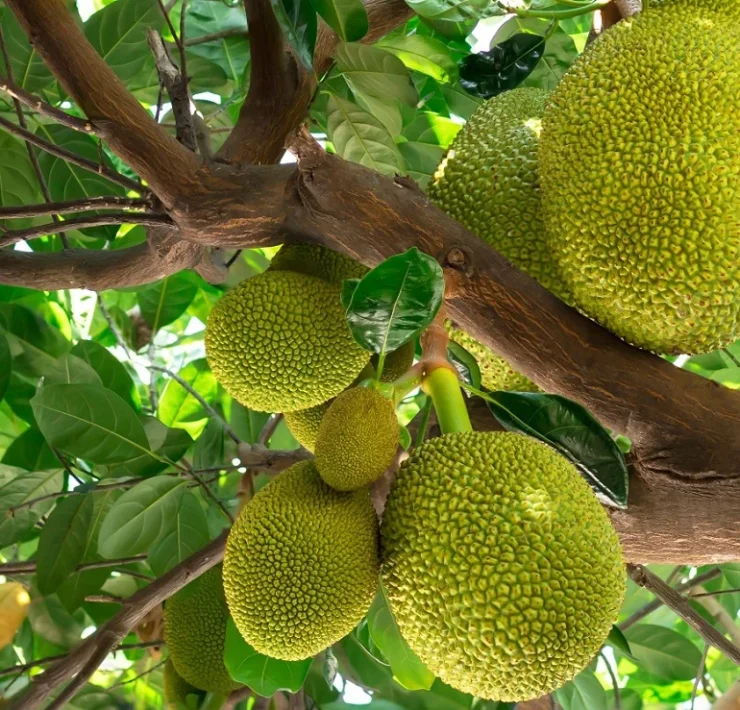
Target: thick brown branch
x=14 y=236
x=117 y=116
x=81 y=663
x=84 y=205
x=98 y=168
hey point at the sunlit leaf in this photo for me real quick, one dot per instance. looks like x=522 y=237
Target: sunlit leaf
x=584 y=692
x=167 y=300
x=423 y=54
x=664 y=652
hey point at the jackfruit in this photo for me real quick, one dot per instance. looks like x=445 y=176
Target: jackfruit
x=316 y=260
x=195 y=631
x=176 y=690
x=640 y=170
x=301 y=564
x=396 y=362
x=304 y=424
x=502 y=570
x=279 y=341
x=357 y=439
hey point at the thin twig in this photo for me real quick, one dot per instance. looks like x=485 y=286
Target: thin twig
x=181 y=47
x=11 y=568
x=675 y=574
x=134 y=573
x=111 y=202
x=103 y=170
x=671 y=598
x=13 y=236
x=718 y=593
x=729 y=354
x=699 y=674
x=213 y=36
x=210 y=494
x=151 y=353
x=268 y=430
x=112 y=325
x=233 y=258
x=104 y=599
x=615 y=681
x=141 y=675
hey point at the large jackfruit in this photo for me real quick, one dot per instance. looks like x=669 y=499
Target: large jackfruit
x=279 y=341
x=640 y=170
x=316 y=260
x=195 y=631
x=503 y=571
x=176 y=690
x=301 y=564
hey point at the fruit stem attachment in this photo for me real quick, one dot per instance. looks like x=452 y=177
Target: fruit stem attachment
x=442 y=385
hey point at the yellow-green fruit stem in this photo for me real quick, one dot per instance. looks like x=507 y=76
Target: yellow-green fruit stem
x=442 y=385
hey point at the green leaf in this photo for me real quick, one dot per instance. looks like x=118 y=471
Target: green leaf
x=359 y=137
x=298 y=21
x=664 y=652
x=29 y=70
x=264 y=675
x=387 y=112
x=407 y=668
x=395 y=301
x=423 y=54
x=18 y=487
x=184 y=534
x=209 y=447
x=465 y=364
x=31 y=452
x=6 y=364
x=502 y=68
x=112 y=373
x=573 y=431
x=375 y=72
x=617 y=639
x=51 y=621
x=167 y=300
x=62 y=541
x=584 y=692
x=18 y=184
x=89 y=421
x=177 y=404
x=140 y=516
x=69 y=369
x=452 y=11
x=348 y=18
x=427 y=138
x=560 y=53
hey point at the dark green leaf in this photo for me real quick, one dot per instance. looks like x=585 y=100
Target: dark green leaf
x=6 y=364
x=664 y=652
x=407 y=668
x=298 y=21
x=167 y=300
x=453 y=11
x=209 y=447
x=584 y=692
x=629 y=698
x=560 y=53
x=348 y=18
x=502 y=68
x=264 y=675
x=423 y=54
x=573 y=431
x=177 y=404
x=70 y=369
x=29 y=70
x=89 y=421
x=51 y=621
x=18 y=184
x=112 y=373
x=619 y=640
x=31 y=452
x=395 y=301
x=62 y=541
x=140 y=516
x=465 y=364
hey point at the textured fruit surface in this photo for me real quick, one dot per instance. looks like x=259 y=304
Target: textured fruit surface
x=396 y=362
x=304 y=424
x=496 y=373
x=315 y=260
x=357 y=439
x=279 y=342
x=175 y=688
x=301 y=564
x=640 y=170
x=195 y=631
x=503 y=570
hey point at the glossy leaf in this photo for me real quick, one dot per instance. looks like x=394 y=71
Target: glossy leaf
x=69 y=369
x=348 y=18
x=177 y=404
x=664 y=652
x=140 y=516
x=573 y=431
x=502 y=68
x=298 y=21
x=185 y=532
x=62 y=541
x=264 y=675
x=89 y=421
x=111 y=371
x=395 y=301
x=423 y=54
x=619 y=640
x=453 y=11
x=167 y=300
x=407 y=668
x=584 y=692
x=560 y=53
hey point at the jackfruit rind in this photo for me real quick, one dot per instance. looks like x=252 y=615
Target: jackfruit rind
x=279 y=341
x=301 y=564
x=396 y=362
x=640 y=171
x=176 y=690
x=357 y=440
x=503 y=571
x=195 y=632
x=304 y=424
x=317 y=260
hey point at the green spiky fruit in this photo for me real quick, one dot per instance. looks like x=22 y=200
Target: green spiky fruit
x=645 y=222
x=195 y=631
x=396 y=362
x=176 y=690
x=502 y=569
x=357 y=439
x=316 y=260
x=279 y=341
x=301 y=564
x=304 y=424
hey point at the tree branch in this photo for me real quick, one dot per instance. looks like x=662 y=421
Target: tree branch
x=718 y=613
x=114 y=112
x=672 y=599
x=81 y=663
x=10 y=568
x=89 y=203
x=213 y=36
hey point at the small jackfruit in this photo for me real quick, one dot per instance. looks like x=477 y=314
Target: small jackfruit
x=195 y=631
x=176 y=690
x=304 y=424
x=279 y=341
x=301 y=564
x=640 y=170
x=502 y=569
x=317 y=260
x=396 y=362
x=357 y=439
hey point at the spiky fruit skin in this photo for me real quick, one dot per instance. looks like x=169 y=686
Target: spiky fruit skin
x=304 y=424
x=316 y=260
x=645 y=223
x=503 y=571
x=496 y=373
x=279 y=341
x=301 y=564
x=357 y=440
x=176 y=690
x=396 y=362
x=195 y=632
